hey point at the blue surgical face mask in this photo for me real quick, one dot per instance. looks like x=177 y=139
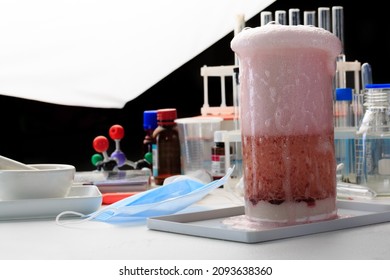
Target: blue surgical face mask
x=165 y=200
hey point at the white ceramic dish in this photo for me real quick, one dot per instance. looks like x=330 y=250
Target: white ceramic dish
x=83 y=199
x=48 y=181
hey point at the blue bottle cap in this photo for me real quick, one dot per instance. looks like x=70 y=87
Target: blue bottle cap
x=150 y=119
x=378 y=86
x=343 y=94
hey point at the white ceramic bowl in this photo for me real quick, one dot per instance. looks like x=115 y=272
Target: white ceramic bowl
x=48 y=181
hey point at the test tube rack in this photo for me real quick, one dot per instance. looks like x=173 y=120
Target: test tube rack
x=222 y=72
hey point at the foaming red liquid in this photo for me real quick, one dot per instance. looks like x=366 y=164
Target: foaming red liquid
x=292 y=168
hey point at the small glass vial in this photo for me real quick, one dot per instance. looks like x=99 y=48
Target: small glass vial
x=166 y=150
x=149 y=124
x=218 y=168
x=373 y=140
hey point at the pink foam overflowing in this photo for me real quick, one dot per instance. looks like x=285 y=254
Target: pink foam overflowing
x=287 y=72
x=274 y=36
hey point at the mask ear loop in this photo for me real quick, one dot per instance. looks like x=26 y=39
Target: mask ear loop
x=86 y=217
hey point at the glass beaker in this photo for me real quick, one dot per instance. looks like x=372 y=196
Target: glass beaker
x=373 y=140
x=286 y=80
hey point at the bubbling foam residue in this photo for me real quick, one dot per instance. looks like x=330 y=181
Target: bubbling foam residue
x=273 y=35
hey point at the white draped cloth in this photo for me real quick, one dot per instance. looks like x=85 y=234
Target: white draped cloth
x=104 y=53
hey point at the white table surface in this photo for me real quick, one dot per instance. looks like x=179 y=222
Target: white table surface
x=93 y=240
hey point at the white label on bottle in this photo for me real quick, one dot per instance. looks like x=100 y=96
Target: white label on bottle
x=218 y=165
x=154 y=160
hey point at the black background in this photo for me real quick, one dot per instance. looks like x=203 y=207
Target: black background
x=38 y=132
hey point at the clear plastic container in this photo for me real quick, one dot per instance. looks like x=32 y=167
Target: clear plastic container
x=196 y=139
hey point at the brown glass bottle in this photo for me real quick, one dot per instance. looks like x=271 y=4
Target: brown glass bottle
x=166 y=150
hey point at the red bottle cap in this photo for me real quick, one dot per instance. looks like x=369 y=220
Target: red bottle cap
x=166 y=116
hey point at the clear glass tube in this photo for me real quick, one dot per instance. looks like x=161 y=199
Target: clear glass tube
x=265 y=17
x=324 y=18
x=309 y=18
x=281 y=17
x=294 y=16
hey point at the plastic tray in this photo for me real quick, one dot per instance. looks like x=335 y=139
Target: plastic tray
x=212 y=224
x=116 y=181
x=83 y=199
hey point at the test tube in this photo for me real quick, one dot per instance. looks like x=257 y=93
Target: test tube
x=366 y=75
x=343 y=107
x=294 y=16
x=324 y=18
x=338 y=23
x=265 y=17
x=338 y=30
x=309 y=18
x=350 y=191
x=280 y=17
x=240 y=25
